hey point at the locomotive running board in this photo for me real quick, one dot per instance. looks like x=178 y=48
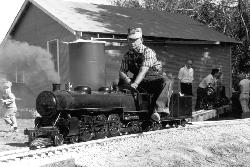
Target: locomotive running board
x=140 y=111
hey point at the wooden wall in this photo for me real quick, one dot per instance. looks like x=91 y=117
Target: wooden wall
x=205 y=57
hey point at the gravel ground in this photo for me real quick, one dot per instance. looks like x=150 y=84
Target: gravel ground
x=218 y=143
x=225 y=144
x=14 y=140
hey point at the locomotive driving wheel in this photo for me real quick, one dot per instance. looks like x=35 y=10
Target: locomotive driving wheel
x=156 y=126
x=73 y=139
x=100 y=126
x=114 y=125
x=134 y=127
x=86 y=132
x=58 y=140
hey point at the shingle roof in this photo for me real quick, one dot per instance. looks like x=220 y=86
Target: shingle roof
x=83 y=17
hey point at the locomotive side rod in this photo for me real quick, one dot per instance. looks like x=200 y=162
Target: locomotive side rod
x=54 y=124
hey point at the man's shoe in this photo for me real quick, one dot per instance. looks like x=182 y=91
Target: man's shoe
x=156 y=117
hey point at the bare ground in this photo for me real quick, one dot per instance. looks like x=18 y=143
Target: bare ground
x=218 y=143
x=14 y=140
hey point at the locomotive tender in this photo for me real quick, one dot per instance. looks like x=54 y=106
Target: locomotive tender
x=83 y=114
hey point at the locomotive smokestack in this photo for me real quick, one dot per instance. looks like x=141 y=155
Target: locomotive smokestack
x=55 y=87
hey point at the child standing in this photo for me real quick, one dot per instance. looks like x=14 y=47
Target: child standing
x=9 y=105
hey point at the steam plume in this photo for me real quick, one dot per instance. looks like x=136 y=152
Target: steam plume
x=34 y=62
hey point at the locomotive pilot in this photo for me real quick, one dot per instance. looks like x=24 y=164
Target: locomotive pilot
x=9 y=106
x=148 y=77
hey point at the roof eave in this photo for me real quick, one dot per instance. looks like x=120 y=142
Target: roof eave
x=183 y=40
x=22 y=9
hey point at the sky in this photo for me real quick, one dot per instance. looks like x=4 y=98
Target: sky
x=9 y=10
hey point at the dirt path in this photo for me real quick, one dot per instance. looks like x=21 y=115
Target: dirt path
x=14 y=140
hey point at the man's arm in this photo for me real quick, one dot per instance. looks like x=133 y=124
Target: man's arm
x=192 y=75
x=241 y=87
x=140 y=76
x=123 y=70
x=124 y=77
x=149 y=59
x=208 y=81
x=180 y=76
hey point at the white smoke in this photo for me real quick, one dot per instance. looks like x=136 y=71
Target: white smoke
x=34 y=62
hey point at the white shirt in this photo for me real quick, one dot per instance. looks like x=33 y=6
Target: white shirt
x=207 y=80
x=11 y=100
x=186 y=75
x=245 y=86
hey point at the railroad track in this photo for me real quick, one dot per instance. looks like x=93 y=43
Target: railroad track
x=26 y=153
x=16 y=156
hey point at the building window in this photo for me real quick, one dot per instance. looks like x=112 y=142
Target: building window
x=53 y=48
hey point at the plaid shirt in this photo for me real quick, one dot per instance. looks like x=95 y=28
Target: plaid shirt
x=134 y=60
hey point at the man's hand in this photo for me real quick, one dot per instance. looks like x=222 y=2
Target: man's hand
x=134 y=85
x=127 y=80
x=181 y=94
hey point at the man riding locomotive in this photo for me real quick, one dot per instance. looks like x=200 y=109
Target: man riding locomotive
x=142 y=62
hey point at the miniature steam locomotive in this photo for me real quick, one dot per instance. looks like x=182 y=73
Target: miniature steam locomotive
x=82 y=115
x=69 y=116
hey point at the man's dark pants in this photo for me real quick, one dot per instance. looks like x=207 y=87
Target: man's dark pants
x=186 y=89
x=201 y=92
x=153 y=87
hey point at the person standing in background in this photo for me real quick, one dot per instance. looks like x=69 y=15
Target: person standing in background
x=209 y=80
x=244 y=93
x=9 y=106
x=186 y=77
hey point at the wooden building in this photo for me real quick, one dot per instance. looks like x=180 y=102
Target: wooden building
x=175 y=38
